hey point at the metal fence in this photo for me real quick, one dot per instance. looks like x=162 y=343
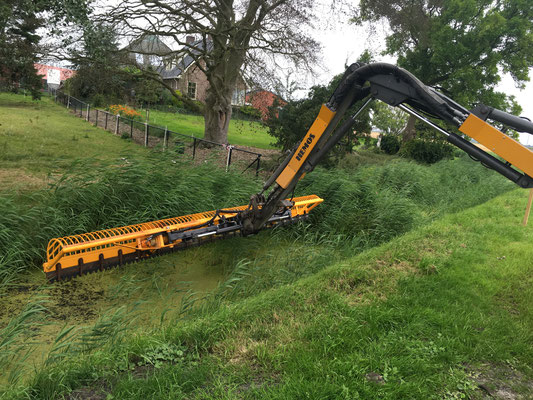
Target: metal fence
x=155 y=136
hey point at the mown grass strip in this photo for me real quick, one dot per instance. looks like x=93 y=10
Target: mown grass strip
x=430 y=314
x=240 y=132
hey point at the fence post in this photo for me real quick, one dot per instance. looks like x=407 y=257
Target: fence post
x=193 y=148
x=528 y=208
x=96 y=121
x=228 y=160
x=257 y=167
x=68 y=101
x=145 y=134
x=116 y=127
x=131 y=128
x=81 y=110
x=88 y=111
x=105 y=123
x=165 y=138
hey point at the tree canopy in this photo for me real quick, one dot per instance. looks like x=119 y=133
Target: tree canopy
x=20 y=41
x=290 y=125
x=461 y=46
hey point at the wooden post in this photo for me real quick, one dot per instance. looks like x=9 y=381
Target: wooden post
x=131 y=128
x=145 y=134
x=165 y=138
x=105 y=123
x=88 y=111
x=68 y=101
x=258 y=165
x=528 y=208
x=116 y=127
x=228 y=160
x=96 y=120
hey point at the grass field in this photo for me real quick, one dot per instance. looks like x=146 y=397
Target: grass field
x=400 y=286
x=241 y=133
x=443 y=312
x=38 y=138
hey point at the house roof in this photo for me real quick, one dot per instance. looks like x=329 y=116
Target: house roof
x=187 y=61
x=150 y=44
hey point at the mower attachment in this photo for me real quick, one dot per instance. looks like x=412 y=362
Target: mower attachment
x=79 y=254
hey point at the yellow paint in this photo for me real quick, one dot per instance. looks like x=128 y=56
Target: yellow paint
x=506 y=147
x=306 y=146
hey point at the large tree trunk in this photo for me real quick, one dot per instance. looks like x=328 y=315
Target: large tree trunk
x=409 y=132
x=217 y=115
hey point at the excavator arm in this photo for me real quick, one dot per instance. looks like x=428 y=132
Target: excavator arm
x=79 y=254
x=399 y=88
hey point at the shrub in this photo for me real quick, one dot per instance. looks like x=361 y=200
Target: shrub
x=125 y=111
x=98 y=100
x=390 y=144
x=426 y=151
x=248 y=111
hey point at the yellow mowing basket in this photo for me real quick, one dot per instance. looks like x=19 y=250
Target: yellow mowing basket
x=79 y=254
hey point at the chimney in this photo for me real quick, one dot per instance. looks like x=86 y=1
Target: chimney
x=190 y=39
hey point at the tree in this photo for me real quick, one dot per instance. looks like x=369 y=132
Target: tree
x=389 y=120
x=99 y=68
x=460 y=46
x=296 y=117
x=20 y=48
x=19 y=22
x=233 y=36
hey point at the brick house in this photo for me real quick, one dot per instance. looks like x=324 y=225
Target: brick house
x=180 y=74
x=262 y=100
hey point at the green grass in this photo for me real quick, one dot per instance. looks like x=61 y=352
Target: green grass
x=432 y=313
x=303 y=312
x=241 y=133
x=38 y=138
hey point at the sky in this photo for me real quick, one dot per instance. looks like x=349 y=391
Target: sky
x=342 y=43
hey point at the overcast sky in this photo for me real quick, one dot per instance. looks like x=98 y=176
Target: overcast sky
x=343 y=43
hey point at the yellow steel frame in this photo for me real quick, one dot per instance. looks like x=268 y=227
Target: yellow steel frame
x=92 y=247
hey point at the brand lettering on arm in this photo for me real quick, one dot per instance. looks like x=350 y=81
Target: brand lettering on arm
x=305 y=147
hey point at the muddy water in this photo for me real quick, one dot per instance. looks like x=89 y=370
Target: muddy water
x=140 y=296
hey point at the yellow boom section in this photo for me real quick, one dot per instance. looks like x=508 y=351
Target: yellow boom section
x=498 y=142
x=306 y=146
x=79 y=254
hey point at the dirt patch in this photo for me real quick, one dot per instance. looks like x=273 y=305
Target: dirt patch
x=14 y=179
x=98 y=391
x=501 y=381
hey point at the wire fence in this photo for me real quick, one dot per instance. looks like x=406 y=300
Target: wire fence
x=156 y=136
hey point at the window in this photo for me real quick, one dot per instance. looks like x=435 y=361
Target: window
x=155 y=61
x=237 y=99
x=139 y=58
x=191 y=90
